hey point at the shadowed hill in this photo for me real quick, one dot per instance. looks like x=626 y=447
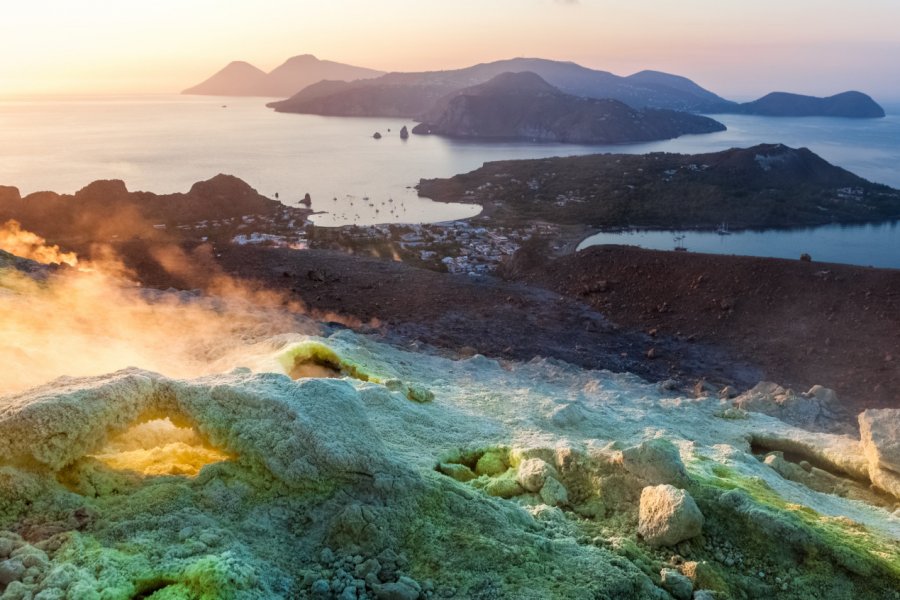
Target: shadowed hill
x=104 y=209
x=524 y=106
x=413 y=94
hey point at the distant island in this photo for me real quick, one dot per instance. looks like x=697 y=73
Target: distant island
x=411 y=95
x=766 y=186
x=853 y=105
x=243 y=79
x=416 y=95
x=525 y=107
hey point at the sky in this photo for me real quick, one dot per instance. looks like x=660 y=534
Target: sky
x=740 y=50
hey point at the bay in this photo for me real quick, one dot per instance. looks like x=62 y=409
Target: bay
x=165 y=143
x=876 y=245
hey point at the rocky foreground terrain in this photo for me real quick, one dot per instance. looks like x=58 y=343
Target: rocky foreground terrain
x=282 y=423
x=332 y=465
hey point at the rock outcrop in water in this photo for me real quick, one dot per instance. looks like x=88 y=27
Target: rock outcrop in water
x=340 y=487
x=525 y=107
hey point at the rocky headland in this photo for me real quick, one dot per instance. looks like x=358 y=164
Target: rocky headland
x=769 y=185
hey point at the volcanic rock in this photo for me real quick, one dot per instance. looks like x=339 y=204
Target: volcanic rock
x=655 y=461
x=880 y=440
x=533 y=473
x=677 y=584
x=816 y=409
x=880 y=433
x=668 y=516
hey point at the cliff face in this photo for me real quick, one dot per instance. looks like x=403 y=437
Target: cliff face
x=524 y=106
x=848 y=104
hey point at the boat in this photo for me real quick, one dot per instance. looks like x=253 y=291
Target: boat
x=723 y=229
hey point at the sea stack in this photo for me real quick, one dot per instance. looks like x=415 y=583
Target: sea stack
x=404 y=133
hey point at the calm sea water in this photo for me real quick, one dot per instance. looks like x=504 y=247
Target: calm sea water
x=868 y=245
x=165 y=143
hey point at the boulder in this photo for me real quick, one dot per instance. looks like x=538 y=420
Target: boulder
x=404 y=133
x=879 y=431
x=491 y=463
x=655 y=461
x=676 y=584
x=818 y=408
x=668 y=516
x=533 y=473
x=704 y=577
x=457 y=471
x=554 y=493
x=404 y=589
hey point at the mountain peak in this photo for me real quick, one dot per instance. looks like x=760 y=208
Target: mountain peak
x=302 y=58
x=521 y=82
x=240 y=78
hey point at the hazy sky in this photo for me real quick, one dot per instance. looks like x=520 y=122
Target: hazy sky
x=736 y=48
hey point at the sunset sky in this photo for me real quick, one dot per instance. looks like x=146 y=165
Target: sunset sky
x=738 y=49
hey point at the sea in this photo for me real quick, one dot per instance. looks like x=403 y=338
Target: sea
x=165 y=143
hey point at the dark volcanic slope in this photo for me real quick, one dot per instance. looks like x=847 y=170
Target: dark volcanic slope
x=804 y=323
x=459 y=313
x=106 y=208
x=524 y=106
x=854 y=105
x=763 y=186
x=413 y=94
x=243 y=79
